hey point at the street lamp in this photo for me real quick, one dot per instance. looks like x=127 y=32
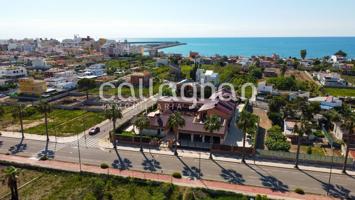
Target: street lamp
x=77 y=136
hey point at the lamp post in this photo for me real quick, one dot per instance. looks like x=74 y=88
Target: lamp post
x=79 y=152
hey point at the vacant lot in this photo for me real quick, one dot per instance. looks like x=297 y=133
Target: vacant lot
x=342 y=92
x=60 y=122
x=350 y=79
x=299 y=75
x=61 y=185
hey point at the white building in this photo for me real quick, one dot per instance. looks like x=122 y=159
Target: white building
x=161 y=62
x=330 y=79
x=263 y=88
x=95 y=70
x=12 y=71
x=289 y=126
x=207 y=76
x=39 y=63
x=327 y=103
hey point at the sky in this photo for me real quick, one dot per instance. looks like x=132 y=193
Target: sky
x=175 y=18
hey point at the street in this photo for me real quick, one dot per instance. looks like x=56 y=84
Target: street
x=279 y=179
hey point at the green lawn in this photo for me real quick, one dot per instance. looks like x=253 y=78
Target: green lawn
x=185 y=70
x=350 y=79
x=350 y=92
x=66 y=123
x=61 y=122
x=65 y=185
x=316 y=150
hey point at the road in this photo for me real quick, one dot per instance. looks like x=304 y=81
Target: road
x=279 y=179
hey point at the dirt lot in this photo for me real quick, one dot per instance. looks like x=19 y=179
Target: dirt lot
x=265 y=122
x=300 y=75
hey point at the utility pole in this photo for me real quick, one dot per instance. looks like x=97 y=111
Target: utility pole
x=331 y=168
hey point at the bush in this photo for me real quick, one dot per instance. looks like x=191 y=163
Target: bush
x=299 y=191
x=177 y=175
x=319 y=134
x=104 y=166
x=309 y=150
x=259 y=197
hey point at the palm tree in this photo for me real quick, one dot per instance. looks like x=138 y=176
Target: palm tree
x=141 y=123
x=303 y=53
x=299 y=133
x=11 y=178
x=2 y=112
x=348 y=124
x=247 y=123
x=212 y=124
x=18 y=114
x=175 y=122
x=113 y=112
x=44 y=108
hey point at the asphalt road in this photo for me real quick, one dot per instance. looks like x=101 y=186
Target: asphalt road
x=280 y=179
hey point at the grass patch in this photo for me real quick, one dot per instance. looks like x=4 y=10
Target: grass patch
x=350 y=79
x=350 y=92
x=314 y=150
x=66 y=123
x=66 y=185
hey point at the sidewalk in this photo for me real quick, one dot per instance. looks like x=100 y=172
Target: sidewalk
x=214 y=185
x=206 y=155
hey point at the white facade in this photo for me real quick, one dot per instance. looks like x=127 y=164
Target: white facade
x=263 y=88
x=39 y=63
x=207 y=76
x=95 y=70
x=12 y=71
x=328 y=102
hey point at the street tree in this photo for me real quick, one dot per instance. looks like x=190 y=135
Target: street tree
x=175 y=121
x=113 y=113
x=45 y=108
x=141 y=123
x=247 y=122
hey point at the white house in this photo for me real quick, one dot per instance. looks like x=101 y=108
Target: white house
x=161 y=62
x=12 y=71
x=331 y=79
x=327 y=103
x=95 y=70
x=207 y=76
x=39 y=63
x=289 y=126
x=263 y=88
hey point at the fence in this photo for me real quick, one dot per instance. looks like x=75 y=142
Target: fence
x=307 y=158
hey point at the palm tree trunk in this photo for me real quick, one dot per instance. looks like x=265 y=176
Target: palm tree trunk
x=298 y=151
x=175 y=144
x=243 y=150
x=87 y=94
x=21 y=124
x=113 y=138
x=347 y=151
x=46 y=125
x=140 y=140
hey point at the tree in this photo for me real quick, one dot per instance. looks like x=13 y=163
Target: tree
x=299 y=133
x=86 y=84
x=141 y=123
x=18 y=114
x=247 y=122
x=276 y=140
x=212 y=124
x=2 y=111
x=175 y=121
x=11 y=174
x=283 y=68
x=113 y=112
x=303 y=53
x=44 y=108
x=193 y=72
x=341 y=53
x=348 y=124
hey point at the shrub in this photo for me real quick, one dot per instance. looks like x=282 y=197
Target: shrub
x=177 y=175
x=299 y=191
x=259 y=197
x=44 y=157
x=104 y=166
x=309 y=150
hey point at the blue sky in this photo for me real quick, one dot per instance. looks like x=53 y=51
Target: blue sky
x=176 y=18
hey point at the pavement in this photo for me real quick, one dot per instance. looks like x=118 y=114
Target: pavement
x=278 y=177
x=200 y=183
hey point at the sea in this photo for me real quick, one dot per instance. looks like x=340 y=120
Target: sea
x=317 y=47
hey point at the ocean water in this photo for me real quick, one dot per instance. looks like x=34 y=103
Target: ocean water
x=317 y=47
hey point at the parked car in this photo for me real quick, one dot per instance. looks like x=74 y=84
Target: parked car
x=94 y=131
